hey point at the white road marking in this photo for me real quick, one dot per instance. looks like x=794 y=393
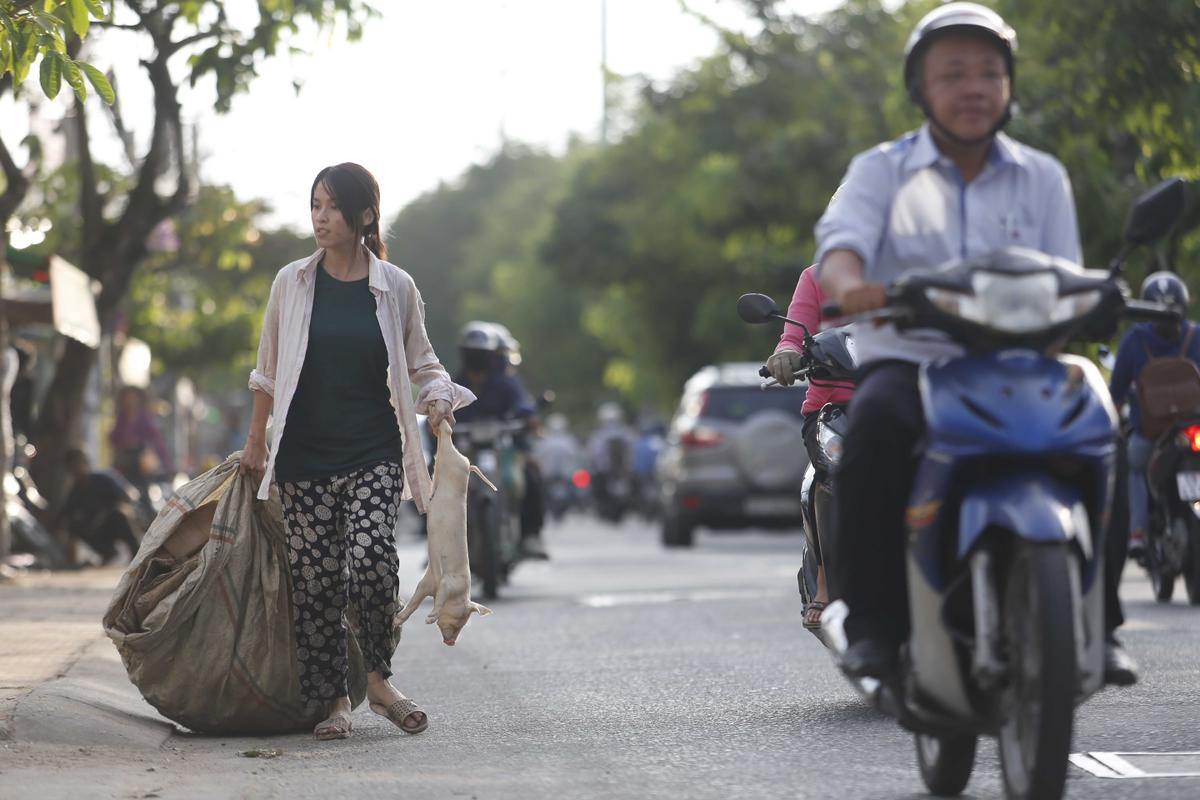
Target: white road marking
x=679 y=596
x=1115 y=765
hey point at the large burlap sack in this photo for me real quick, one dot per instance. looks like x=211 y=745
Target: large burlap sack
x=202 y=617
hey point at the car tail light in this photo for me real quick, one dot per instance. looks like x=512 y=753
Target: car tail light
x=691 y=502
x=700 y=437
x=581 y=479
x=1191 y=435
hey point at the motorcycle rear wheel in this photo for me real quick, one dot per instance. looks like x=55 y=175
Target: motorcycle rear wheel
x=483 y=531
x=945 y=761
x=1035 y=739
x=1191 y=568
x=1161 y=582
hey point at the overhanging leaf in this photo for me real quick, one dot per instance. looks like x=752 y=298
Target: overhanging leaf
x=75 y=78
x=80 y=20
x=51 y=74
x=100 y=82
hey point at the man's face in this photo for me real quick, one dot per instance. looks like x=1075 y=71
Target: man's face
x=965 y=84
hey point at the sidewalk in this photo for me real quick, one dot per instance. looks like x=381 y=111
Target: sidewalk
x=49 y=623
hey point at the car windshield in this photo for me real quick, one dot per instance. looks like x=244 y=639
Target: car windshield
x=739 y=402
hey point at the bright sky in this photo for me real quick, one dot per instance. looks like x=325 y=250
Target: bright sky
x=425 y=93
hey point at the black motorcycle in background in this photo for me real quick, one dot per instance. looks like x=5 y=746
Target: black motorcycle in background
x=1173 y=535
x=827 y=357
x=493 y=517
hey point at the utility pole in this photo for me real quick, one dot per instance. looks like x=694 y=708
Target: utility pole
x=604 y=71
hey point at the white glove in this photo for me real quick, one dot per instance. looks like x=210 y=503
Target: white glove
x=783 y=365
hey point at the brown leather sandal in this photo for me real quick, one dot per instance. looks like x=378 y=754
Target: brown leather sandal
x=401 y=711
x=338 y=726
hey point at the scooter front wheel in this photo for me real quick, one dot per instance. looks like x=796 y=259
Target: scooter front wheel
x=946 y=762
x=1039 y=609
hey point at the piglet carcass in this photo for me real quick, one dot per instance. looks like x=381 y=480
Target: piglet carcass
x=447 y=579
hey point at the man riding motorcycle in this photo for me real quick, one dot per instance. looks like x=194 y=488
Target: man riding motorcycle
x=1142 y=343
x=955 y=188
x=805 y=308
x=485 y=367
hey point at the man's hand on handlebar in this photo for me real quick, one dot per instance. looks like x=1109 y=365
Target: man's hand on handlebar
x=862 y=297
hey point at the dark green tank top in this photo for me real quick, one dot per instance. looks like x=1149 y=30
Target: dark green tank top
x=341 y=417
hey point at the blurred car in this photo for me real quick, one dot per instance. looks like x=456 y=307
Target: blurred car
x=734 y=455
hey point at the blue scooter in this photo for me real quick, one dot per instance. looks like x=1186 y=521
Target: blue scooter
x=1006 y=517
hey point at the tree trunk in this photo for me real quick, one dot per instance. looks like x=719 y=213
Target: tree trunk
x=53 y=432
x=6 y=438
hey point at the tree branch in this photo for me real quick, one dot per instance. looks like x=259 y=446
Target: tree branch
x=16 y=182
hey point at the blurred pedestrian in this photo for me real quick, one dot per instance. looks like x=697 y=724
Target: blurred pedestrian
x=97 y=509
x=342 y=343
x=139 y=451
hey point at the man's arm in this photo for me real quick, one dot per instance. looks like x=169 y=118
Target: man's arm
x=842 y=280
x=850 y=230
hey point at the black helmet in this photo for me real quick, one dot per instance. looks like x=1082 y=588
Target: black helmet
x=479 y=336
x=960 y=17
x=1166 y=288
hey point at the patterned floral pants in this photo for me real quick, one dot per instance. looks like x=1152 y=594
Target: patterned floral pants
x=342 y=552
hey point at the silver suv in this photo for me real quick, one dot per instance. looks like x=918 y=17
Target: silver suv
x=735 y=455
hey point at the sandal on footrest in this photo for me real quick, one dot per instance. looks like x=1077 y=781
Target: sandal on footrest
x=398 y=713
x=815 y=605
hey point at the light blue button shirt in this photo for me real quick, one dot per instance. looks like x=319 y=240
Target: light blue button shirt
x=903 y=206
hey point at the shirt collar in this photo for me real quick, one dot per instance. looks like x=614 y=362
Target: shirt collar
x=375 y=275
x=924 y=152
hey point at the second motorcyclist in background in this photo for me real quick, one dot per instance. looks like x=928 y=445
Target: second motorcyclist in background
x=955 y=188
x=805 y=308
x=484 y=367
x=1140 y=344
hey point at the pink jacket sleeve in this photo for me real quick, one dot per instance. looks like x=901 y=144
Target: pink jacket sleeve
x=805 y=307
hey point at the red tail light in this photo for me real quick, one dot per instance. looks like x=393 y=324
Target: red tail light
x=581 y=478
x=700 y=437
x=1192 y=434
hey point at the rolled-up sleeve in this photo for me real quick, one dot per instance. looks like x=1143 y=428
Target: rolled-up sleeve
x=262 y=377
x=855 y=218
x=424 y=369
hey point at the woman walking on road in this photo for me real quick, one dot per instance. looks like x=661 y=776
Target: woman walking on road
x=342 y=344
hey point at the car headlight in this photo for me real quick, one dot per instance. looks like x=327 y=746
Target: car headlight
x=1014 y=303
x=830 y=443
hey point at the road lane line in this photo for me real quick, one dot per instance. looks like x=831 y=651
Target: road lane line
x=678 y=596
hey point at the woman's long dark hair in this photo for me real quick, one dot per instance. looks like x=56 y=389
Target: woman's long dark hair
x=355 y=190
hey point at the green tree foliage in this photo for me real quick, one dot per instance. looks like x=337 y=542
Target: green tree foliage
x=30 y=29
x=200 y=306
x=474 y=249
x=183 y=41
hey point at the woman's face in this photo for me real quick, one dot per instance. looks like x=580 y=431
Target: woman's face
x=329 y=225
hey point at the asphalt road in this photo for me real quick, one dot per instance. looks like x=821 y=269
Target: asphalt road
x=623 y=670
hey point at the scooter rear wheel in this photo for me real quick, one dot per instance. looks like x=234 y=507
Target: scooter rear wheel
x=1035 y=739
x=946 y=762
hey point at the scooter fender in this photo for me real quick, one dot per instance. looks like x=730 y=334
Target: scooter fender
x=1036 y=508
x=1033 y=506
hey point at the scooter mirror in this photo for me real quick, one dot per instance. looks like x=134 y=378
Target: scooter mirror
x=1155 y=211
x=756 y=308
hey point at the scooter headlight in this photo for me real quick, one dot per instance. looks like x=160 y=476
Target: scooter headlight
x=1014 y=303
x=830 y=443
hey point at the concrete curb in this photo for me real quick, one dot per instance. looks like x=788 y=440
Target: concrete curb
x=92 y=703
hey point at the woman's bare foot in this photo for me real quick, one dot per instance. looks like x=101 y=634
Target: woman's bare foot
x=380 y=692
